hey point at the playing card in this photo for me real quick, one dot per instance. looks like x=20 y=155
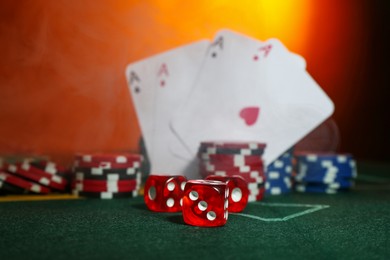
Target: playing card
x=176 y=73
x=176 y=146
x=250 y=90
x=142 y=84
x=157 y=85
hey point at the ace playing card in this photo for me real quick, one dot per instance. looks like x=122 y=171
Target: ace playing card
x=249 y=90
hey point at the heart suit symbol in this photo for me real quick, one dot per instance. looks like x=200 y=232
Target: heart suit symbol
x=250 y=115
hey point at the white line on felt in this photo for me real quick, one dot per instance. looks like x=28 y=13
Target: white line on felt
x=289 y=204
x=313 y=208
x=308 y=211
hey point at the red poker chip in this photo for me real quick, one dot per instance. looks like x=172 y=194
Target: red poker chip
x=6 y=188
x=234 y=164
x=235 y=159
x=105 y=195
x=105 y=182
x=53 y=177
x=208 y=166
x=260 y=195
x=51 y=168
x=22 y=183
x=36 y=177
x=107 y=188
x=250 y=177
x=234 y=144
x=118 y=158
x=106 y=176
x=256 y=192
x=106 y=164
x=253 y=176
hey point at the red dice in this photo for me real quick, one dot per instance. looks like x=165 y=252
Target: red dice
x=238 y=187
x=163 y=193
x=205 y=203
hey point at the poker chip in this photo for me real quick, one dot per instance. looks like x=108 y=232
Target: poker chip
x=279 y=174
x=320 y=179
x=231 y=148
x=231 y=145
x=324 y=172
x=257 y=177
x=96 y=176
x=105 y=195
x=96 y=171
x=345 y=184
x=106 y=187
x=52 y=176
x=105 y=183
x=213 y=150
x=28 y=173
x=125 y=158
x=207 y=166
x=51 y=168
x=235 y=158
x=107 y=176
x=107 y=165
x=22 y=183
x=315 y=189
x=32 y=175
x=6 y=188
x=326 y=168
x=316 y=158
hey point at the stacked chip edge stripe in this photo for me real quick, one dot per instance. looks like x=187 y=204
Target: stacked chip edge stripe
x=279 y=174
x=22 y=183
x=324 y=172
x=118 y=158
x=7 y=188
x=105 y=195
x=90 y=171
x=235 y=158
x=35 y=177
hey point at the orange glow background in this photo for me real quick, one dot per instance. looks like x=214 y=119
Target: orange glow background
x=63 y=87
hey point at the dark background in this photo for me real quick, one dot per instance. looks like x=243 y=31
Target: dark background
x=367 y=132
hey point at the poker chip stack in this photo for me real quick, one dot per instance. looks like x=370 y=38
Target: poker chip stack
x=324 y=173
x=29 y=176
x=235 y=158
x=279 y=174
x=107 y=176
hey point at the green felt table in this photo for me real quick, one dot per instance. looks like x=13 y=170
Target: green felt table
x=351 y=225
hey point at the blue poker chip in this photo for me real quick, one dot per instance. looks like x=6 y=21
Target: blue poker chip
x=310 y=189
x=319 y=157
x=285 y=182
x=321 y=179
x=284 y=161
x=344 y=184
x=317 y=189
x=326 y=169
x=277 y=190
x=278 y=186
x=278 y=175
x=280 y=163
